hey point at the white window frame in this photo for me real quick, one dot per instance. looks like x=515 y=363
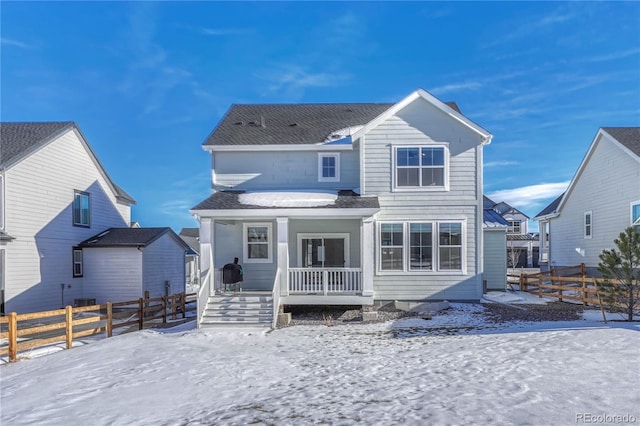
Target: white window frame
x=245 y=242
x=394 y=169
x=435 y=232
x=344 y=236
x=76 y=194
x=587 y=228
x=76 y=262
x=461 y=245
x=321 y=157
x=512 y=227
x=635 y=223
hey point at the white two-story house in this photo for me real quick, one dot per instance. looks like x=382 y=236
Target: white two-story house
x=602 y=199
x=54 y=193
x=346 y=203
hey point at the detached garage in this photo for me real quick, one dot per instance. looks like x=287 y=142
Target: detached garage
x=494 y=230
x=120 y=264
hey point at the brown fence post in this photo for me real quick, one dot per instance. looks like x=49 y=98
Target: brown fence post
x=183 y=304
x=584 y=291
x=173 y=305
x=13 y=337
x=140 y=313
x=146 y=301
x=582 y=270
x=109 y=319
x=68 y=314
x=164 y=309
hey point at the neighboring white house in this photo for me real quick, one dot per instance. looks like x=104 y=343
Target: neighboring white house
x=522 y=246
x=123 y=263
x=347 y=203
x=54 y=193
x=602 y=200
x=192 y=260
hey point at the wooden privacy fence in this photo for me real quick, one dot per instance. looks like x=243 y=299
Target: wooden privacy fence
x=21 y=332
x=565 y=284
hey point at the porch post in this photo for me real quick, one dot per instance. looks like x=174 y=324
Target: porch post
x=206 y=252
x=367 y=256
x=283 y=254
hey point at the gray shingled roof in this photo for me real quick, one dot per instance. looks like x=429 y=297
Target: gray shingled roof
x=283 y=124
x=191 y=237
x=627 y=136
x=228 y=200
x=21 y=139
x=551 y=208
x=129 y=237
x=487 y=203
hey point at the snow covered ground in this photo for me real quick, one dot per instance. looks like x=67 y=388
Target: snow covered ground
x=453 y=369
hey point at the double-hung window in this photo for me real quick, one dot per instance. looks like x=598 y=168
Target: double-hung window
x=329 y=167
x=421 y=167
x=391 y=247
x=411 y=247
x=77 y=262
x=257 y=243
x=588 y=224
x=635 y=215
x=514 y=227
x=81 y=209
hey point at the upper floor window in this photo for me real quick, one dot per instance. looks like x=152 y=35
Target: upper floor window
x=421 y=167
x=514 y=227
x=257 y=243
x=635 y=215
x=81 y=209
x=588 y=225
x=329 y=167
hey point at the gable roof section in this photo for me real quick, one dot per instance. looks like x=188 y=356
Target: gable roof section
x=130 y=237
x=21 y=139
x=191 y=237
x=550 y=210
x=304 y=124
x=629 y=142
x=451 y=110
x=487 y=203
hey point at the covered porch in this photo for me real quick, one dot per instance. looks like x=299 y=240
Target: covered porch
x=320 y=255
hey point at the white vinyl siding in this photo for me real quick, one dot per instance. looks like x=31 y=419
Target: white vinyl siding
x=113 y=273
x=163 y=261
x=329 y=167
x=1 y=202
x=257 y=243
x=495 y=261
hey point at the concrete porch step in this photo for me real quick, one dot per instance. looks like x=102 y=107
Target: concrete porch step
x=238 y=310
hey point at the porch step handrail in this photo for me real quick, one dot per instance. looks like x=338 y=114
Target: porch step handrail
x=275 y=297
x=325 y=280
x=203 y=294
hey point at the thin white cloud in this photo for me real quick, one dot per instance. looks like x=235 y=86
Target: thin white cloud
x=226 y=31
x=501 y=163
x=529 y=196
x=532 y=26
x=293 y=80
x=17 y=43
x=468 y=85
x=615 y=55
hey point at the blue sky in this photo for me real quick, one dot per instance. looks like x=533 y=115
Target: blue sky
x=147 y=82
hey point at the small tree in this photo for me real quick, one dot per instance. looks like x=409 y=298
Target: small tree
x=624 y=265
x=513 y=255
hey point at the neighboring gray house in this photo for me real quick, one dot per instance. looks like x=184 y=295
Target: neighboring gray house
x=522 y=246
x=54 y=193
x=192 y=260
x=121 y=264
x=345 y=203
x=602 y=200
x=495 y=245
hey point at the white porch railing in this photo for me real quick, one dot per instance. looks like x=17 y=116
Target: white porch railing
x=275 y=295
x=325 y=280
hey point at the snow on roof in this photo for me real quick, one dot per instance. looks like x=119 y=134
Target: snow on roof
x=288 y=199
